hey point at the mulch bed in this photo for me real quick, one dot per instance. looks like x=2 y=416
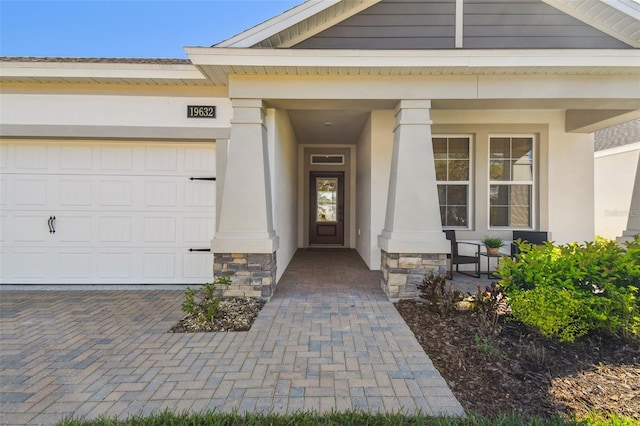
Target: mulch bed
x=234 y=314
x=516 y=370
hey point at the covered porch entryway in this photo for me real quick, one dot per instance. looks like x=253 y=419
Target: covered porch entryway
x=268 y=195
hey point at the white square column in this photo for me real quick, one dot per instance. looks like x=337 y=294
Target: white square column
x=412 y=242
x=633 y=223
x=245 y=242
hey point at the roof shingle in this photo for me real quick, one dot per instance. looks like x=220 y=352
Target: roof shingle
x=619 y=135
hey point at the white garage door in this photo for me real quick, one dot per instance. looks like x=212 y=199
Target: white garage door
x=125 y=213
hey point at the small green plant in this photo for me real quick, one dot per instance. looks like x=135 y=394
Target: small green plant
x=487 y=345
x=491 y=304
x=434 y=289
x=493 y=242
x=202 y=303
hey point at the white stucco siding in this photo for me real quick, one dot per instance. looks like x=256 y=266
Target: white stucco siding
x=614 y=177
x=80 y=113
x=571 y=196
x=284 y=177
x=375 y=148
x=363 y=197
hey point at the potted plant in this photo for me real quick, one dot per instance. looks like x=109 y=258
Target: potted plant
x=493 y=244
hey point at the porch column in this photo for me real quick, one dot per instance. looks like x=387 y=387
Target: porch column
x=633 y=223
x=412 y=242
x=245 y=243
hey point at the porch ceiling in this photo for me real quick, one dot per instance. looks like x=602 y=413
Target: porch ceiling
x=328 y=126
x=322 y=121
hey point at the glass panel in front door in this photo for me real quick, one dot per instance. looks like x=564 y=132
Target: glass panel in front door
x=327 y=199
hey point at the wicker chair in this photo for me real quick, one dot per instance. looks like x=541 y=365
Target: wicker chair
x=458 y=259
x=537 y=238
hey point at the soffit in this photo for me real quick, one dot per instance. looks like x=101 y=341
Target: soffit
x=618 y=18
x=218 y=63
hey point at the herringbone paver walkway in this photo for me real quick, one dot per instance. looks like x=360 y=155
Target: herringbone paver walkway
x=327 y=340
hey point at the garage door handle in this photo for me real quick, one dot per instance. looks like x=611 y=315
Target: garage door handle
x=52 y=224
x=202 y=178
x=192 y=249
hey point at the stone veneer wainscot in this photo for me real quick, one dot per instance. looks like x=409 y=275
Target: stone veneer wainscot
x=403 y=272
x=252 y=274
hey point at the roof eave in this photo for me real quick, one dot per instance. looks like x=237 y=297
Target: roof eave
x=51 y=70
x=403 y=58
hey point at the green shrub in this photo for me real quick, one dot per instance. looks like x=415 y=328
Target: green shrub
x=203 y=303
x=571 y=290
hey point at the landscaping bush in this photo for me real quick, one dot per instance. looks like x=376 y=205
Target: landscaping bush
x=568 y=291
x=203 y=303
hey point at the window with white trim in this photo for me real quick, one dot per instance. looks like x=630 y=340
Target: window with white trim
x=452 y=156
x=511 y=181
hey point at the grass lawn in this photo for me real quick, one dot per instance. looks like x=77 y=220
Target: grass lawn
x=167 y=418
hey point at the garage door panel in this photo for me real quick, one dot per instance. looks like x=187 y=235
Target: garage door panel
x=115 y=193
x=4 y=187
x=30 y=192
x=161 y=159
x=160 y=229
x=75 y=192
x=29 y=264
x=114 y=229
x=198 y=229
x=75 y=264
x=31 y=157
x=74 y=158
x=26 y=228
x=197 y=266
x=199 y=194
x=160 y=193
x=114 y=265
x=75 y=228
x=4 y=156
x=116 y=158
x=159 y=265
x=200 y=160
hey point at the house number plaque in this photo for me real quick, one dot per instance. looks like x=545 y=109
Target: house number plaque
x=201 y=111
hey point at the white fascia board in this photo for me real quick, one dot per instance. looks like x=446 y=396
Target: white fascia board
x=274 y=25
x=617 y=150
x=56 y=69
x=413 y=58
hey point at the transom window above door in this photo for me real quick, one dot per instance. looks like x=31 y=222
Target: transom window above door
x=452 y=156
x=327 y=159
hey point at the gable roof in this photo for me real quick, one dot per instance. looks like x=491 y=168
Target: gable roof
x=619 y=19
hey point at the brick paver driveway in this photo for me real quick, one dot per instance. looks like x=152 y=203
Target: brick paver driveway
x=327 y=340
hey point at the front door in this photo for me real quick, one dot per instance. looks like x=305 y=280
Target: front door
x=326 y=211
